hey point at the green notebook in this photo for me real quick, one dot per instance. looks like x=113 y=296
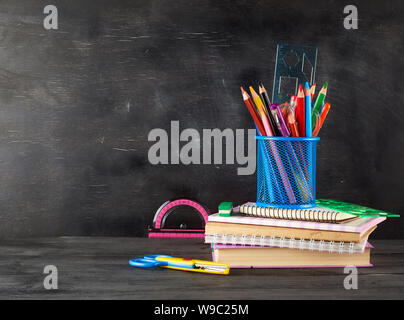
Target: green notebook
x=354 y=209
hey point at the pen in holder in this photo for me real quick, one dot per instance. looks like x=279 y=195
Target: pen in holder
x=286 y=172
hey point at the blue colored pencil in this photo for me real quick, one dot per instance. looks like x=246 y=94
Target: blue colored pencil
x=307 y=109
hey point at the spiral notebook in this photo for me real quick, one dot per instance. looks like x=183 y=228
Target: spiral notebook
x=317 y=214
x=273 y=257
x=358 y=225
x=301 y=244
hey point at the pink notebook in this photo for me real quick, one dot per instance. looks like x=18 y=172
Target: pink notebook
x=358 y=225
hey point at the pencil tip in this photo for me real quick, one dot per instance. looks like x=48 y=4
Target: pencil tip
x=325 y=85
x=252 y=90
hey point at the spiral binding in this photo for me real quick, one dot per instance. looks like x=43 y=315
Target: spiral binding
x=282 y=242
x=315 y=215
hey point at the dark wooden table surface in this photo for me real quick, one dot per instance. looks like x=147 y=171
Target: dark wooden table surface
x=97 y=268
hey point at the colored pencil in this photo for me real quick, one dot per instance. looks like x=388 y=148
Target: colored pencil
x=257 y=102
x=323 y=115
x=313 y=91
x=274 y=150
x=251 y=108
x=300 y=112
x=292 y=125
x=268 y=167
x=291 y=117
x=282 y=171
x=319 y=103
x=284 y=109
x=267 y=103
x=307 y=108
x=260 y=106
x=262 y=100
x=316 y=126
x=294 y=160
x=292 y=103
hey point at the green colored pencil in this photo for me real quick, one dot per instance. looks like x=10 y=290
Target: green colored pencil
x=317 y=105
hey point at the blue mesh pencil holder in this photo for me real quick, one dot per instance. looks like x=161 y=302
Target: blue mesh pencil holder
x=286 y=172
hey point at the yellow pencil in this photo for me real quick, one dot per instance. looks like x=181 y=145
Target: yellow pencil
x=258 y=102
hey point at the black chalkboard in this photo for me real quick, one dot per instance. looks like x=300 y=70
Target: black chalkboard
x=78 y=103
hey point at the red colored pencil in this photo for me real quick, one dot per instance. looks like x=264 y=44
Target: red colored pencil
x=253 y=111
x=300 y=112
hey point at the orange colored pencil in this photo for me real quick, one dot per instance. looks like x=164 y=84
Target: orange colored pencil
x=292 y=125
x=324 y=113
x=322 y=116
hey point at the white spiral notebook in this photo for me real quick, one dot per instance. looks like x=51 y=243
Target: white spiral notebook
x=318 y=245
x=316 y=214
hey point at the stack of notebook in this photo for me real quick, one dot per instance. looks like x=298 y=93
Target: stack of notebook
x=263 y=237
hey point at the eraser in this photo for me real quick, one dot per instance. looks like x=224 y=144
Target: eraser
x=225 y=209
